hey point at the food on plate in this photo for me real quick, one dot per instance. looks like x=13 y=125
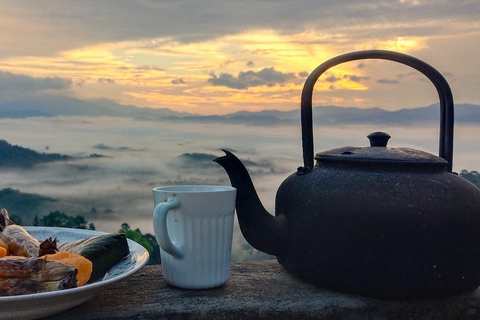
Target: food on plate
x=19 y=275
x=30 y=266
x=104 y=251
x=5 y=246
x=79 y=262
x=20 y=242
x=48 y=246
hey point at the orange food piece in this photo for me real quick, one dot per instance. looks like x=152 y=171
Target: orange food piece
x=79 y=262
x=5 y=246
x=3 y=252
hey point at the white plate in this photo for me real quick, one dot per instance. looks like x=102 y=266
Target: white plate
x=43 y=304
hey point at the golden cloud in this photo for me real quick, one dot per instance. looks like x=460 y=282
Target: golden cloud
x=145 y=69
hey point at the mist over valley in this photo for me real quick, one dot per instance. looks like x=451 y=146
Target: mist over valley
x=105 y=167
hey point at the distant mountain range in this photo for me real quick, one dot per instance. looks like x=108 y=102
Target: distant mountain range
x=332 y=115
x=52 y=106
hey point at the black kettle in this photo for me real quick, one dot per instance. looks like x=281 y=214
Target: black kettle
x=377 y=221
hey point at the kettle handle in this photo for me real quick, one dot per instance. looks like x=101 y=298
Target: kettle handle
x=443 y=89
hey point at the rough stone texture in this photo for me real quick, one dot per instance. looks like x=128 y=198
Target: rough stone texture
x=256 y=290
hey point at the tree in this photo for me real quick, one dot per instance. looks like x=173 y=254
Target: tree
x=61 y=219
x=472 y=176
x=54 y=219
x=137 y=236
x=148 y=241
x=79 y=222
x=16 y=218
x=35 y=220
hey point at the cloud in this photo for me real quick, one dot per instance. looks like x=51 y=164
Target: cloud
x=106 y=80
x=149 y=67
x=448 y=74
x=265 y=77
x=388 y=81
x=102 y=146
x=350 y=77
x=79 y=82
x=355 y=78
x=19 y=83
x=91 y=22
x=303 y=74
x=178 y=81
x=409 y=74
x=205 y=161
x=157 y=41
x=332 y=79
x=250 y=64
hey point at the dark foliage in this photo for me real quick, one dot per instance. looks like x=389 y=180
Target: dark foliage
x=472 y=176
x=19 y=203
x=148 y=241
x=60 y=219
x=19 y=157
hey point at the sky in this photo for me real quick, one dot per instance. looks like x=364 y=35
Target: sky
x=223 y=56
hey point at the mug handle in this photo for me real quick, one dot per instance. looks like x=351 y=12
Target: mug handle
x=160 y=227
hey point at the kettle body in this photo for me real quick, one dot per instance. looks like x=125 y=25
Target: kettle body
x=381 y=231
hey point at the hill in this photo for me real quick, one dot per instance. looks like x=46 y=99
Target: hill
x=19 y=157
x=23 y=205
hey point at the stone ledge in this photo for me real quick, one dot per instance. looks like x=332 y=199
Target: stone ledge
x=256 y=290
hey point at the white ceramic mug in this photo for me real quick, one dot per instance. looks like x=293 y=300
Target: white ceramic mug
x=193 y=225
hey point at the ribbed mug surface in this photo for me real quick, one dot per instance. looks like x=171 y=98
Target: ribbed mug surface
x=201 y=226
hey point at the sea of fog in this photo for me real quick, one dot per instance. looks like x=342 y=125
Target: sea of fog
x=141 y=155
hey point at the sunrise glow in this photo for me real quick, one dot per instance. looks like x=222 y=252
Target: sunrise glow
x=249 y=68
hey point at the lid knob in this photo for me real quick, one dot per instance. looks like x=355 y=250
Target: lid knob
x=378 y=139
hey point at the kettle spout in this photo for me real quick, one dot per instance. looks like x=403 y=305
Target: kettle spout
x=262 y=230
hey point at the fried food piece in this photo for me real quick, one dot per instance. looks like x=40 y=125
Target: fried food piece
x=20 y=242
x=5 y=246
x=34 y=275
x=83 y=265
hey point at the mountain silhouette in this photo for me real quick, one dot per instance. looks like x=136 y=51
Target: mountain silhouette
x=18 y=157
x=53 y=105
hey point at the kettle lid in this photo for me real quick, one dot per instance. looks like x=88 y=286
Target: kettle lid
x=378 y=152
